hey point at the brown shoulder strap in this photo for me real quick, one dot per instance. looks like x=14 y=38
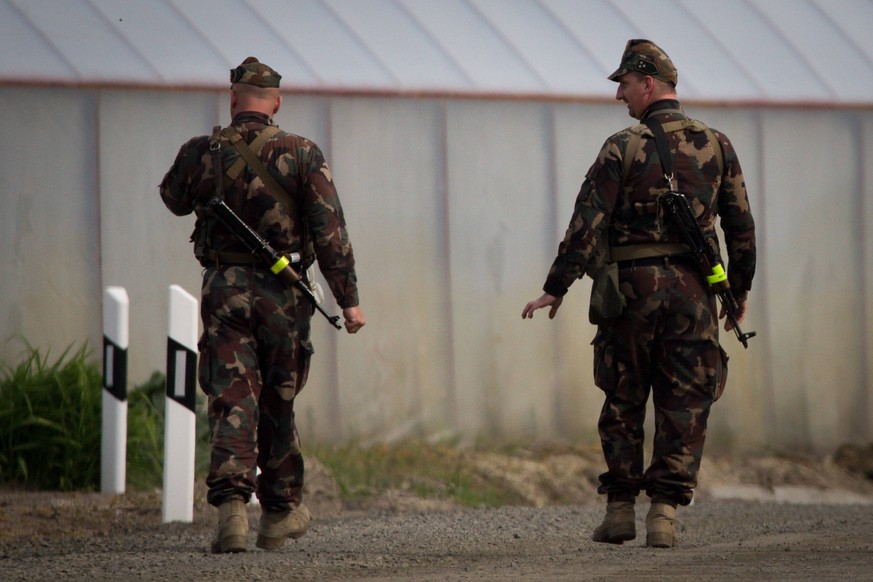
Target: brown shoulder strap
x=630 y=153
x=248 y=157
x=716 y=146
x=256 y=146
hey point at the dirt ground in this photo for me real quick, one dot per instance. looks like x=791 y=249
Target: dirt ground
x=762 y=518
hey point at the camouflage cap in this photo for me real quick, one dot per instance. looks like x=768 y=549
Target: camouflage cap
x=253 y=72
x=647 y=58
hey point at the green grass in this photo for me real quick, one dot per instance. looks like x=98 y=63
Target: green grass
x=51 y=421
x=50 y=415
x=428 y=471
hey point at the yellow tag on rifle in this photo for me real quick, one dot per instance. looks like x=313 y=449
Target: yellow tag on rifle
x=279 y=265
x=718 y=275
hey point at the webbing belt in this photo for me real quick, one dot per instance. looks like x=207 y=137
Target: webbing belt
x=235 y=258
x=646 y=250
x=229 y=258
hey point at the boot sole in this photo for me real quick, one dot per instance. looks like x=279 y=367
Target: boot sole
x=659 y=541
x=229 y=545
x=266 y=543
x=619 y=536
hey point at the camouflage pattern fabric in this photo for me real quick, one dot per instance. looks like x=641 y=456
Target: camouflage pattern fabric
x=299 y=167
x=254 y=360
x=644 y=56
x=255 y=346
x=627 y=211
x=666 y=340
x=666 y=344
x=253 y=72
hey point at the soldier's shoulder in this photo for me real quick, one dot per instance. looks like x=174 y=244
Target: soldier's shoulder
x=193 y=149
x=290 y=136
x=619 y=140
x=197 y=142
x=721 y=137
x=629 y=132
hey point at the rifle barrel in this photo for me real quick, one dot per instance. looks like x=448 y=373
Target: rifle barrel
x=277 y=262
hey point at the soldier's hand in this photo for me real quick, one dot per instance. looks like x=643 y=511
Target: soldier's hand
x=545 y=300
x=355 y=319
x=741 y=314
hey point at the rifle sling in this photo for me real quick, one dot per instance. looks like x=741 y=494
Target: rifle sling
x=661 y=143
x=671 y=126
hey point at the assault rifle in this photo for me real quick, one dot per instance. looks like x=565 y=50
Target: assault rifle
x=278 y=263
x=679 y=210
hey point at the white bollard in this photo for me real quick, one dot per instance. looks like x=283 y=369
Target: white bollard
x=113 y=438
x=180 y=419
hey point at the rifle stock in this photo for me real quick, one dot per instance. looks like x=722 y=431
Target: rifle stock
x=679 y=210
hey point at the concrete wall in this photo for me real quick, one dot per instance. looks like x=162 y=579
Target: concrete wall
x=455 y=209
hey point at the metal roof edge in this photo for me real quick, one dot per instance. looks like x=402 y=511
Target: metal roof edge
x=457 y=94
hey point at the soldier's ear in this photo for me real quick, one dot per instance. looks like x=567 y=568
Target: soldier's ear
x=650 y=83
x=278 y=105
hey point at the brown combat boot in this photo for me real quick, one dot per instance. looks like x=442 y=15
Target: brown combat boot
x=233 y=527
x=659 y=526
x=276 y=526
x=619 y=524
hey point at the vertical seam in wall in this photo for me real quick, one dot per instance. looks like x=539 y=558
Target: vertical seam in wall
x=866 y=431
x=98 y=182
x=336 y=412
x=452 y=388
x=559 y=389
x=769 y=388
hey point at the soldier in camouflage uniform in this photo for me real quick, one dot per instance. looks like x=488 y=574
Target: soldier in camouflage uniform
x=255 y=347
x=665 y=341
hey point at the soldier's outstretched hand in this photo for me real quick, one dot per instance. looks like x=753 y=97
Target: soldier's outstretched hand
x=545 y=300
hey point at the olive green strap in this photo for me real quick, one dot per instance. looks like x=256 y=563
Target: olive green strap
x=629 y=153
x=256 y=146
x=257 y=166
x=716 y=146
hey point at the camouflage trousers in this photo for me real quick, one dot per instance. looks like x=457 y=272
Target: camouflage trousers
x=665 y=344
x=254 y=360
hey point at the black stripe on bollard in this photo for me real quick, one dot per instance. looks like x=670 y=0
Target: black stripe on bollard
x=114 y=369
x=181 y=374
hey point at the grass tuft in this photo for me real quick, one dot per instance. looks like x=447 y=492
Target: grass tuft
x=51 y=420
x=427 y=471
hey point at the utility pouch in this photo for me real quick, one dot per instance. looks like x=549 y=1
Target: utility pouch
x=607 y=300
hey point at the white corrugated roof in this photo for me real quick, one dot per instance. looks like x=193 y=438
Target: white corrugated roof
x=744 y=50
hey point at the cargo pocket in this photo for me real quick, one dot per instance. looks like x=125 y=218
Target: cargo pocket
x=604 y=362
x=721 y=374
x=607 y=301
x=303 y=362
x=204 y=365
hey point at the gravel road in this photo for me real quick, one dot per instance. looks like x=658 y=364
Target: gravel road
x=762 y=519
x=719 y=539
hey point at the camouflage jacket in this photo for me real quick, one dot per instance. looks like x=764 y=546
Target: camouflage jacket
x=299 y=167
x=627 y=211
